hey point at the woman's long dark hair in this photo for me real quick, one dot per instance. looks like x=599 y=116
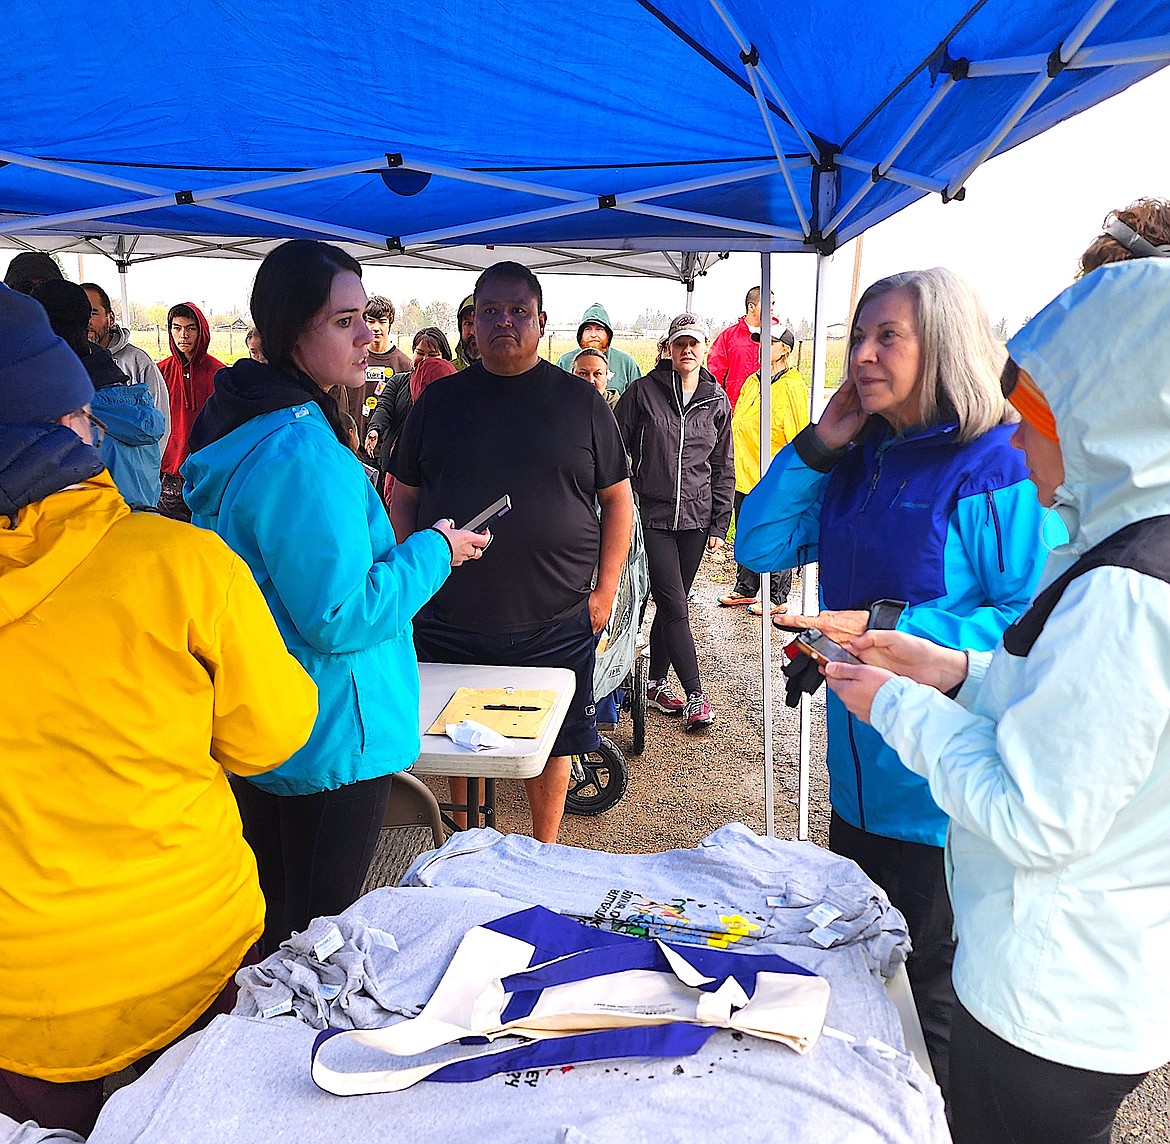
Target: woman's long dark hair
x=292 y=285
x=435 y=335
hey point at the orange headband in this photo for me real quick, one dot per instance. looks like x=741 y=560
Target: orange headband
x=1030 y=404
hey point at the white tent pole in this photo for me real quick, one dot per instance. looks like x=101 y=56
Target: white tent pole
x=765 y=360
x=893 y=174
x=808 y=588
x=123 y=279
x=881 y=168
x=1098 y=56
x=744 y=226
x=1068 y=48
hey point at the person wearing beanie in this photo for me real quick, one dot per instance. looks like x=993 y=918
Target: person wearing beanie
x=596 y=332
x=466 y=352
x=29 y=269
x=190 y=376
x=140 y=664
x=130 y=422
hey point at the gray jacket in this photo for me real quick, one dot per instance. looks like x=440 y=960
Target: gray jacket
x=139 y=366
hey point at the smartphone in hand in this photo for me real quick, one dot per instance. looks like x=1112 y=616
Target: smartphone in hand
x=815 y=644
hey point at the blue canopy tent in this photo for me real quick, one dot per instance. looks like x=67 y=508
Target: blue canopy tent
x=604 y=132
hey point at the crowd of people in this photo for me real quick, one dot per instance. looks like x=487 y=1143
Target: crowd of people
x=216 y=585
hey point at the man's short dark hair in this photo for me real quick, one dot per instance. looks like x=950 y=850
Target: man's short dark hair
x=752 y=298
x=380 y=309
x=512 y=272
x=182 y=310
x=106 y=305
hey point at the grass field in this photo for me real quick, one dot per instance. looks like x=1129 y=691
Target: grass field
x=229 y=345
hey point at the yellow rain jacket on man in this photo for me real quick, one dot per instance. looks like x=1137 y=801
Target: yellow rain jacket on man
x=789 y=417
x=140 y=662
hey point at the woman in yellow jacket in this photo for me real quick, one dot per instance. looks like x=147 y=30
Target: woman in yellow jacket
x=140 y=663
x=789 y=417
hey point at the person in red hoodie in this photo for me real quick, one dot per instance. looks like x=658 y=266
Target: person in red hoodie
x=190 y=376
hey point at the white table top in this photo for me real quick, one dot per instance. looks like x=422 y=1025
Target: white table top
x=522 y=758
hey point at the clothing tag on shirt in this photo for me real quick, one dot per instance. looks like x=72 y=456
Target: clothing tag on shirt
x=823 y=915
x=777 y=901
x=329 y=944
x=328 y=990
x=276 y=1010
x=383 y=938
x=824 y=937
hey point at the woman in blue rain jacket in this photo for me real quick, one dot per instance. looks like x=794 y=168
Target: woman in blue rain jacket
x=907 y=491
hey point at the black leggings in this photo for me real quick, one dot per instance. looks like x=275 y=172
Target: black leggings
x=1003 y=1095
x=312 y=850
x=913 y=876
x=673 y=559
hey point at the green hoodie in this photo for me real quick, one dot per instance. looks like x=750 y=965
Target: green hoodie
x=623 y=368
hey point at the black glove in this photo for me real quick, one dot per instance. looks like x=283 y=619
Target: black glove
x=803 y=675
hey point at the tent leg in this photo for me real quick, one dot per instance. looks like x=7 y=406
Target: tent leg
x=765 y=578
x=808 y=591
x=123 y=274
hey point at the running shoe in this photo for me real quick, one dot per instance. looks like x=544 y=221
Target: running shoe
x=697 y=715
x=660 y=696
x=736 y=599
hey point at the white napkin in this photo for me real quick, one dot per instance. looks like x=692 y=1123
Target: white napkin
x=475 y=735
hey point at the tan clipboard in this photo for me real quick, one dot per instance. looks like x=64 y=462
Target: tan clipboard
x=472 y=703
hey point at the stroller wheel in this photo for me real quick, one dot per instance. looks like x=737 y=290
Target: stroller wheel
x=597 y=781
x=638 y=704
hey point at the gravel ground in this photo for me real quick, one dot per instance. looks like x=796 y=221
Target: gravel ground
x=684 y=786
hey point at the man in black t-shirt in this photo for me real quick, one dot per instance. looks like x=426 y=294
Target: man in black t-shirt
x=515 y=424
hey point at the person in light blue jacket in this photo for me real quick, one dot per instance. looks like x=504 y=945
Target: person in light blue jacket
x=909 y=494
x=269 y=471
x=1054 y=763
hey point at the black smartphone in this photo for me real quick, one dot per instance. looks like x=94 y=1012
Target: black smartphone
x=816 y=644
x=498 y=508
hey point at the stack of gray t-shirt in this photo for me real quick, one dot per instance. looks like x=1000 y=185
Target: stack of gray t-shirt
x=246 y=1078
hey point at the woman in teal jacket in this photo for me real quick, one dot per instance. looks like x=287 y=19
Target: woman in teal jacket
x=269 y=471
x=907 y=491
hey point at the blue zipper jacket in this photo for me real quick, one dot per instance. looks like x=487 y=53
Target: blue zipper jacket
x=296 y=505
x=134 y=427
x=952 y=529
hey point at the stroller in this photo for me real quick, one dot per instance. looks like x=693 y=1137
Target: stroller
x=598 y=780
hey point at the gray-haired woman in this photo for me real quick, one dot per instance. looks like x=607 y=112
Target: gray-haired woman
x=909 y=494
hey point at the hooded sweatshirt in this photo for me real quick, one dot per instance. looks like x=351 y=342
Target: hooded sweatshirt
x=138 y=365
x=270 y=476
x=464 y=354
x=189 y=385
x=139 y=661
x=622 y=367
x=133 y=424
x=1055 y=765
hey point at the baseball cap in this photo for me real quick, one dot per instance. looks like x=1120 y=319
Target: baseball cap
x=686 y=325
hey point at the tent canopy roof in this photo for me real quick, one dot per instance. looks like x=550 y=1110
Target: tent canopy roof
x=627 y=126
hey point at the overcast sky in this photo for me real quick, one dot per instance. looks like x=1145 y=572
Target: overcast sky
x=1016 y=238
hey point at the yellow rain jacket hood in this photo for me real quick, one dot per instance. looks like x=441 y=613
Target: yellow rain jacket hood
x=139 y=661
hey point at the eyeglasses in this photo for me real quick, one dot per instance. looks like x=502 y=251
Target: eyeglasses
x=97 y=426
